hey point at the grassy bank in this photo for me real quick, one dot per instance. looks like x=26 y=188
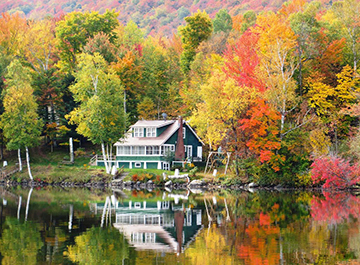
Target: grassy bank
x=53 y=167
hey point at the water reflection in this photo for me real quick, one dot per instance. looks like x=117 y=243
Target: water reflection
x=84 y=226
x=159 y=224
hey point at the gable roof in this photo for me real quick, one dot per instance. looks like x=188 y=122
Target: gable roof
x=160 y=140
x=154 y=123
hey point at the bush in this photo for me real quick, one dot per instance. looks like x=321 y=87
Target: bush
x=335 y=172
x=80 y=152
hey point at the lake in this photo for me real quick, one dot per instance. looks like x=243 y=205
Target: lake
x=83 y=226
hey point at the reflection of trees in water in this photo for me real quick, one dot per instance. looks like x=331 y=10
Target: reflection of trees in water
x=100 y=246
x=20 y=242
x=335 y=207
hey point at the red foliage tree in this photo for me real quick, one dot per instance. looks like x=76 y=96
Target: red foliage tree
x=261 y=126
x=336 y=172
x=241 y=61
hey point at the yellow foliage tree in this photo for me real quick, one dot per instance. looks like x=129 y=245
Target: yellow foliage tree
x=277 y=43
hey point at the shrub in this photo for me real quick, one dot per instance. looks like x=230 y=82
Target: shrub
x=80 y=152
x=335 y=172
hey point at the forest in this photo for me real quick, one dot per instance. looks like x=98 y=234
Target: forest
x=278 y=89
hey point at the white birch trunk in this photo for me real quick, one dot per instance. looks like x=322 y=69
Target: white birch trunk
x=105 y=160
x=27 y=204
x=28 y=162
x=19 y=156
x=71 y=150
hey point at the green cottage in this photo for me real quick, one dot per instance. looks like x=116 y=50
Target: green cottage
x=148 y=142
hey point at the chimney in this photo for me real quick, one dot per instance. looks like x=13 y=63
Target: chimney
x=180 y=148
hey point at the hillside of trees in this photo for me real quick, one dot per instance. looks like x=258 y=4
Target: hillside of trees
x=152 y=16
x=280 y=90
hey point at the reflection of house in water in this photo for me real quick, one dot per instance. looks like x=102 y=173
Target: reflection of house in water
x=157 y=225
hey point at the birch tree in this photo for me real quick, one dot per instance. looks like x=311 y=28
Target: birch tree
x=20 y=122
x=100 y=115
x=277 y=43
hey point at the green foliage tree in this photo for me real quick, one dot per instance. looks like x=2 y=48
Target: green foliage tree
x=198 y=28
x=222 y=21
x=73 y=32
x=348 y=13
x=20 y=122
x=100 y=115
x=249 y=20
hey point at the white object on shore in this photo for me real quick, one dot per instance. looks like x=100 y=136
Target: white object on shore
x=215 y=172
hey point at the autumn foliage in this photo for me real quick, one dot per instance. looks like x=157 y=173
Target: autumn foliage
x=335 y=172
x=261 y=125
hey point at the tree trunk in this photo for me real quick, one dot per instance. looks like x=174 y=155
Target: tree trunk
x=105 y=160
x=20 y=164
x=28 y=162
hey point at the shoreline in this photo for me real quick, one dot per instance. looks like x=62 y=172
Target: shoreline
x=199 y=186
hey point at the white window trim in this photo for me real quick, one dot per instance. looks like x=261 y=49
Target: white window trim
x=187 y=149
x=184 y=132
x=137 y=164
x=171 y=148
x=139 y=131
x=150 y=131
x=143 y=154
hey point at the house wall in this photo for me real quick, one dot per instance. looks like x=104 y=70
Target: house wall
x=190 y=139
x=130 y=163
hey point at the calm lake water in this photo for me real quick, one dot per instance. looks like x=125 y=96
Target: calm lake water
x=82 y=226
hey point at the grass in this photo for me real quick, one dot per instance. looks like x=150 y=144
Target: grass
x=48 y=167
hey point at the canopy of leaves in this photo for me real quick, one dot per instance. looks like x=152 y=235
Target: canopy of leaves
x=20 y=121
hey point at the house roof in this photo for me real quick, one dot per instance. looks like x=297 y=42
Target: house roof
x=160 y=140
x=141 y=141
x=155 y=123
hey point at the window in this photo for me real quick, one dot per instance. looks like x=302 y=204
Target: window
x=156 y=150
x=138 y=150
x=184 y=132
x=138 y=132
x=188 y=150
x=167 y=148
x=123 y=150
x=166 y=166
x=149 y=150
x=151 y=132
x=137 y=164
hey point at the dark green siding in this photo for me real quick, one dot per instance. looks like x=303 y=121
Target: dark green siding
x=161 y=130
x=101 y=164
x=151 y=165
x=172 y=139
x=123 y=164
x=190 y=139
